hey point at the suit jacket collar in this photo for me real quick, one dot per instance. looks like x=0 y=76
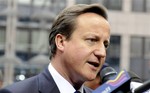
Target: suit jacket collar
x=46 y=83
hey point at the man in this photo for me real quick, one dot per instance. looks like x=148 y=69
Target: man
x=78 y=41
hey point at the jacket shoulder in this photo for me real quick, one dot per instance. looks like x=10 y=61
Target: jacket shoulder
x=26 y=86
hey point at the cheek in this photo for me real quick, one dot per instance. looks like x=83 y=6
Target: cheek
x=81 y=53
x=102 y=61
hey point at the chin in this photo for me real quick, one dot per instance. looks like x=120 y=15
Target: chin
x=91 y=77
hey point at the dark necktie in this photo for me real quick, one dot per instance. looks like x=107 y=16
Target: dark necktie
x=77 y=91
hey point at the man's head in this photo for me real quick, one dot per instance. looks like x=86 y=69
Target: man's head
x=78 y=40
x=65 y=23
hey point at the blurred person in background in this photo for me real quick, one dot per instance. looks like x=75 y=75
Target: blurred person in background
x=78 y=41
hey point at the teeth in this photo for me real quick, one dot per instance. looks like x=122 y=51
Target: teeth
x=94 y=64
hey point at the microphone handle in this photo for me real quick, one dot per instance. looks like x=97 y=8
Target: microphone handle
x=143 y=88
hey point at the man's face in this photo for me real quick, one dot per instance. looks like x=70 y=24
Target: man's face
x=85 y=52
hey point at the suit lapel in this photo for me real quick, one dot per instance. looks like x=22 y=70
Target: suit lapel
x=46 y=83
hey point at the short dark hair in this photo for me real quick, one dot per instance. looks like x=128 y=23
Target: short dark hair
x=65 y=23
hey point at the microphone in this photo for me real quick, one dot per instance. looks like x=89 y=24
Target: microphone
x=134 y=77
x=143 y=88
x=119 y=83
x=107 y=73
x=113 y=82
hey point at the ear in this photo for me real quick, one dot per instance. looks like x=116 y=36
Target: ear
x=59 y=40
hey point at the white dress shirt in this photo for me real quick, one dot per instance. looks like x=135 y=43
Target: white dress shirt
x=63 y=85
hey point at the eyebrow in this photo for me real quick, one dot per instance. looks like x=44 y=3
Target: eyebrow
x=97 y=36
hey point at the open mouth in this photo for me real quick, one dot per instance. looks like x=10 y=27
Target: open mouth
x=95 y=64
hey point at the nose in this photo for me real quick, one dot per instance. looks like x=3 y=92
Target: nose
x=100 y=52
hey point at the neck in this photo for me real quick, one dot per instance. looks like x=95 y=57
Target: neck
x=61 y=69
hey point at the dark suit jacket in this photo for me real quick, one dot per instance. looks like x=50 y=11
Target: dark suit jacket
x=41 y=83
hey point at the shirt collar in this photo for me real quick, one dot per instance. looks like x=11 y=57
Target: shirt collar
x=63 y=85
x=81 y=89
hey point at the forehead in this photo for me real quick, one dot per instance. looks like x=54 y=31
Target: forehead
x=91 y=18
x=91 y=24
x=92 y=21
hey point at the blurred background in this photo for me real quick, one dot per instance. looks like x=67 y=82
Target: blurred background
x=24 y=25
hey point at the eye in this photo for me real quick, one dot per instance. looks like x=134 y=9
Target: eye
x=106 y=44
x=91 y=40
